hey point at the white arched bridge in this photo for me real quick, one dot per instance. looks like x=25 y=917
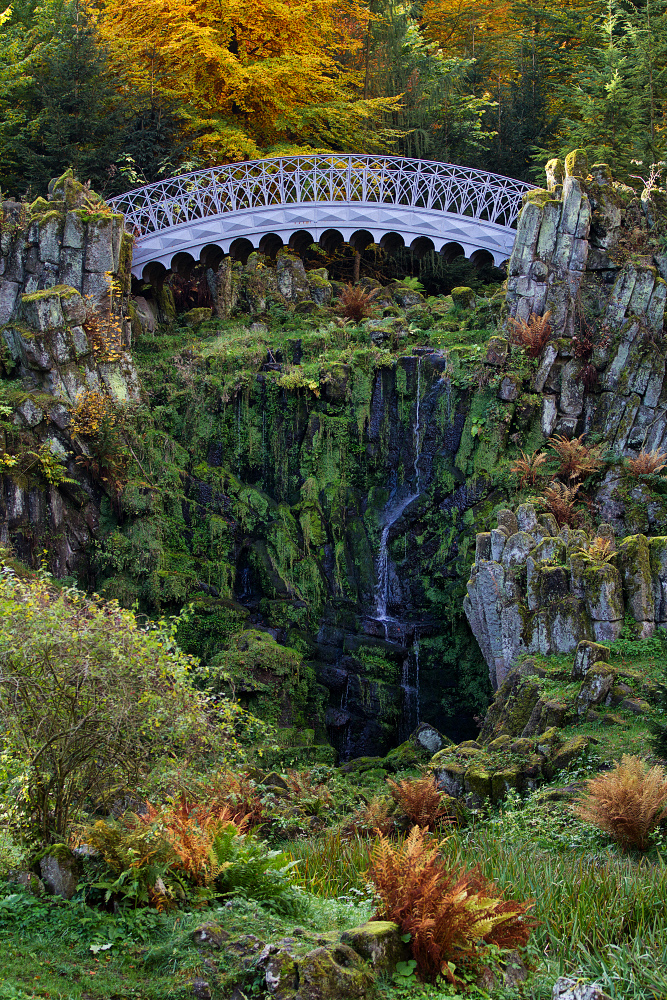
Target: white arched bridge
x=326 y=199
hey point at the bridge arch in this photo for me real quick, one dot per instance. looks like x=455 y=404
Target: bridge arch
x=321 y=198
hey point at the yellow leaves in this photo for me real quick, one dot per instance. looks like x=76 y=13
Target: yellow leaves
x=245 y=70
x=92 y=409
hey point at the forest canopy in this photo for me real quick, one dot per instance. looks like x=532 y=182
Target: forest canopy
x=129 y=92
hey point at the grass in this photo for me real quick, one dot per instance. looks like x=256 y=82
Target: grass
x=51 y=949
x=332 y=866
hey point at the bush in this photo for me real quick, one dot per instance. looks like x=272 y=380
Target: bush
x=628 y=802
x=450 y=915
x=356 y=302
x=170 y=852
x=89 y=701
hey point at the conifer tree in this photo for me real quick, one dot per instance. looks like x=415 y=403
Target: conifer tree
x=60 y=102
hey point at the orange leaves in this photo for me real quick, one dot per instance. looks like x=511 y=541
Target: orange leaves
x=450 y=915
x=422 y=801
x=627 y=802
x=245 y=69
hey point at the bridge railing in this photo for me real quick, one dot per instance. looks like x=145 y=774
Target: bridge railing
x=292 y=180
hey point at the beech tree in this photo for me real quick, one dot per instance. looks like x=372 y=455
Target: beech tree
x=253 y=75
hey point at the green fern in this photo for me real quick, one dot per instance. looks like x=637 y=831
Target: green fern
x=244 y=866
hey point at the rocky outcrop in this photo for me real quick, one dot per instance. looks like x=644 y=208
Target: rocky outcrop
x=343 y=970
x=533 y=588
x=64 y=289
x=565 y=260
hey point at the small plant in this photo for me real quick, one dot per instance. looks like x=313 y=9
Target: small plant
x=532 y=335
x=559 y=500
x=244 y=866
x=414 y=283
x=627 y=802
x=104 y=333
x=527 y=468
x=577 y=459
x=371 y=817
x=647 y=463
x=451 y=915
x=422 y=801
x=600 y=551
x=356 y=303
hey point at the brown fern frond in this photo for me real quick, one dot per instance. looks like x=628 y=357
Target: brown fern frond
x=601 y=550
x=647 y=463
x=422 y=801
x=559 y=500
x=577 y=459
x=356 y=303
x=627 y=802
x=532 y=334
x=527 y=468
x=373 y=816
x=449 y=915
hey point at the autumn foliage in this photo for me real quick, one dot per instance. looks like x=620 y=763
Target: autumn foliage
x=422 y=801
x=356 y=302
x=450 y=915
x=559 y=500
x=647 y=463
x=531 y=334
x=627 y=802
x=576 y=459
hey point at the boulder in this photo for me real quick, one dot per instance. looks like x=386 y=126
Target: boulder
x=59 y=871
x=335 y=973
x=588 y=654
x=576 y=989
x=379 y=943
x=596 y=685
x=463 y=297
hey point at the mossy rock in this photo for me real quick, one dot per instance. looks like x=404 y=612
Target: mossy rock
x=361 y=764
x=379 y=942
x=335 y=973
x=463 y=297
x=478 y=783
x=193 y=317
x=566 y=755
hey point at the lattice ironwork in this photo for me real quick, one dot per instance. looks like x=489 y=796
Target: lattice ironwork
x=363 y=180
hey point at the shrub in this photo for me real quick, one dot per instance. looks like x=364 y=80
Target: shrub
x=422 y=801
x=647 y=463
x=531 y=335
x=576 y=459
x=244 y=866
x=528 y=468
x=601 y=550
x=627 y=802
x=356 y=303
x=155 y=857
x=88 y=700
x=450 y=915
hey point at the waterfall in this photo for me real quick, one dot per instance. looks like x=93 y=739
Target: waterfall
x=415 y=650
x=417 y=428
x=400 y=498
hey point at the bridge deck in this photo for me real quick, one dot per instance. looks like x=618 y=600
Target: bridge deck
x=380 y=196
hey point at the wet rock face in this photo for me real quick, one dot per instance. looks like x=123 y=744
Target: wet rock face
x=520 y=602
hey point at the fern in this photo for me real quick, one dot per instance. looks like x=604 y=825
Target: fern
x=576 y=459
x=244 y=866
x=627 y=803
x=647 y=463
x=422 y=801
x=450 y=916
x=532 y=335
